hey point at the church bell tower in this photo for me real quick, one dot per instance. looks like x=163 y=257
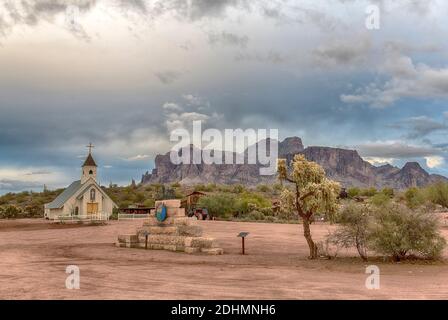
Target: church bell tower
x=89 y=167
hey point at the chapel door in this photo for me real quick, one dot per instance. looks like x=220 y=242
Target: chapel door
x=92 y=208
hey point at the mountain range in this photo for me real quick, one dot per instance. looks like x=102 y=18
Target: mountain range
x=342 y=165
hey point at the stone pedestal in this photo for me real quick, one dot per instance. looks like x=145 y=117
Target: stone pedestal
x=176 y=233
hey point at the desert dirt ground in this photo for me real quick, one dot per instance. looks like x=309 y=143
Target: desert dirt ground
x=34 y=255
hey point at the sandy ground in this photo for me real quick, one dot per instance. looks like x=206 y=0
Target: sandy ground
x=34 y=255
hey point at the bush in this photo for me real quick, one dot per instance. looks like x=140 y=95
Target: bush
x=353 y=192
x=256 y=215
x=399 y=232
x=33 y=210
x=219 y=205
x=175 y=185
x=238 y=188
x=369 y=192
x=388 y=192
x=268 y=212
x=139 y=197
x=380 y=199
x=438 y=194
x=247 y=202
x=263 y=188
x=10 y=212
x=115 y=213
x=355 y=220
x=149 y=203
x=391 y=229
x=414 y=198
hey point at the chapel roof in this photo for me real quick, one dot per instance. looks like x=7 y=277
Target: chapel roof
x=64 y=196
x=89 y=161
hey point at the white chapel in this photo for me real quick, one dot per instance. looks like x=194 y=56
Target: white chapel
x=83 y=198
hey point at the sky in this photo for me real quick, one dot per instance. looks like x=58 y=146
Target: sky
x=122 y=74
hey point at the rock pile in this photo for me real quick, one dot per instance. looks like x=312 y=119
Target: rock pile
x=176 y=232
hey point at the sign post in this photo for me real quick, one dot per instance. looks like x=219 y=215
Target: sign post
x=146 y=234
x=243 y=235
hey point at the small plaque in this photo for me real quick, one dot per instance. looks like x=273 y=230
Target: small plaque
x=243 y=234
x=161 y=213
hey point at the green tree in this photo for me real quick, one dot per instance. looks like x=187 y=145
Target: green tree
x=219 y=205
x=312 y=192
x=400 y=231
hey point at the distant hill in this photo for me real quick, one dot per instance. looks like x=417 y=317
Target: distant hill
x=343 y=165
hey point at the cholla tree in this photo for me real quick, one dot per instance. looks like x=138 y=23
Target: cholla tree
x=312 y=193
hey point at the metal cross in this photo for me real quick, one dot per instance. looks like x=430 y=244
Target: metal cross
x=90 y=146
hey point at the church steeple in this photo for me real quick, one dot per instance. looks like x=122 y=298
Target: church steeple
x=89 y=167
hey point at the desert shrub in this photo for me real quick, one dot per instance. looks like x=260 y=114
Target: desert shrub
x=115 y=212
x=414 y=197
x=248 y=201
x=277 y=187
x=388 y=192
x=10 y=212
x=124 y=204
x=437 y=193
x=355 y=221
x=399 y=231
x=353 y=192
x=33 y=210
x=255 y=215
x=369 y=192
x=287 y=215
x=238 y=188
x=268 y=212
x=206 y=188
x=149 y=203
x=219 y=205
x=175 y=185
x=164 y=193
x=380 y=199
x=263 y=188
x=139 y=197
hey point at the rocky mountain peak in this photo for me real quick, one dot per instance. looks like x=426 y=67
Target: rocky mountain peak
x=413 y=167
x=342 y=165
x=291 y=145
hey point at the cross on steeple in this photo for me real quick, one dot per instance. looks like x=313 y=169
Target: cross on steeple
x=90 y=146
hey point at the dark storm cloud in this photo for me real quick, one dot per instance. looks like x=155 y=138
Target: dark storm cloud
x=396 y=150
x=343 y=51
x=228 y=39
x=272 y=83
x=271 y=57
x=33 y=12
x=202 y=8
x=421 y=126
x=168 y=77
x=139 y=5
x=8 y=185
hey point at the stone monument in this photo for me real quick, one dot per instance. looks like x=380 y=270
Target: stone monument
x=170 y=229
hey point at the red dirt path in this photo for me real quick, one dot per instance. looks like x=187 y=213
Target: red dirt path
x=34 y=255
